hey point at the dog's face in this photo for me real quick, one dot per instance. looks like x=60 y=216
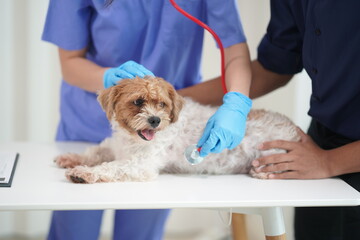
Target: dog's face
x=142 y=106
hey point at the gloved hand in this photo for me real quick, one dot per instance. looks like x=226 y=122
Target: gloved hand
x=226 y=128
x=129 y=69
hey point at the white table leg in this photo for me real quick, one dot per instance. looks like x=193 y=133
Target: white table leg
x=273 y=221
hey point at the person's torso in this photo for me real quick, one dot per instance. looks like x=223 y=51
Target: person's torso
x=331 y=57
x=150 y=32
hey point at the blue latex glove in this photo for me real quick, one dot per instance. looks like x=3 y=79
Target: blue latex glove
x=226 y=128
x=129 y=69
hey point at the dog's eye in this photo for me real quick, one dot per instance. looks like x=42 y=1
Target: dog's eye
x=139 y=102
x=162 y=104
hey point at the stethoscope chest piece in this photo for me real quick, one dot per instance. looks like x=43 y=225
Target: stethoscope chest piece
x=192 y=155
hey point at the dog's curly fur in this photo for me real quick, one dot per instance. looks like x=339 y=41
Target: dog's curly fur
x=152 y=126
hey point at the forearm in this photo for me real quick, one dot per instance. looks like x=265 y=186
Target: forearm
x=80 y=72
x=345 y=159
x=208 y=92
x=264 y=81
x=238 y=69
x=238 y=77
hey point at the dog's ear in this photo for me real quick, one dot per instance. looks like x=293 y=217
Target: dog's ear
x=108 y=99
x=177 y=103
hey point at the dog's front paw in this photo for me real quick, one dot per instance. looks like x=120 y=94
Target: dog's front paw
x=81 y=174
x=68 y=160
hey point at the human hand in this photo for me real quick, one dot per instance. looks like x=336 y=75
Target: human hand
x=129 y=69
x=303 y=160
x=226 y=128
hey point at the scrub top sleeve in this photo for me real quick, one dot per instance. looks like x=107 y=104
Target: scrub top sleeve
x=281 y=47
x=224 y=18
x=67 y=23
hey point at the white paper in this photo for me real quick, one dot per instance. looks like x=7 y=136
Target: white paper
x=7 y=161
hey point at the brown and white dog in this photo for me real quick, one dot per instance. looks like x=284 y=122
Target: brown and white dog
x=153 y=125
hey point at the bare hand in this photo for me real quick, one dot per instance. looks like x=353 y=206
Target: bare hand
x=303 y=160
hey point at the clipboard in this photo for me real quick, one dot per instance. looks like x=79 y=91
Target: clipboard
x=8 y=162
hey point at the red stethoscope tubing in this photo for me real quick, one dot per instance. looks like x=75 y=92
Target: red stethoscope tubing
x=203 y=25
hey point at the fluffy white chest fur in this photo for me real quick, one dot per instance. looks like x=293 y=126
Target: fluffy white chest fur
x=152 y=126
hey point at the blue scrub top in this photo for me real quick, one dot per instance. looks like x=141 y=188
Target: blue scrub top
x=150 y=32
x=322 y=36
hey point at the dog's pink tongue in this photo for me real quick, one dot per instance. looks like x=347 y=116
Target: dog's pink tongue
x=148 y=134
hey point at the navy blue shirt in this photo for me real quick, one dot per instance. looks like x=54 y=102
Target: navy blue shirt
x=322 y=36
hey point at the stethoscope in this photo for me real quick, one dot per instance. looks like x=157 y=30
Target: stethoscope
x=192 y=152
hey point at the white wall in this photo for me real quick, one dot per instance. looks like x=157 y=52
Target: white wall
x=29 y=72
x=29 y=84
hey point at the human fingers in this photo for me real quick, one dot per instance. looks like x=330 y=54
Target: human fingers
x=236 y=140
x=206 y=133
x=145 y=71
x=220 y=145
x=122 y=74
x=280 y=144
x=136 y=69
x=133 y=70
x=285 y=175
x=209 y=144
x=111 y=81
x=278 y=167
x=272 y=159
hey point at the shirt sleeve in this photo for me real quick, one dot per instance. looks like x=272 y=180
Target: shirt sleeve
x=67 y=23
x=223 y=17
x=281 y=47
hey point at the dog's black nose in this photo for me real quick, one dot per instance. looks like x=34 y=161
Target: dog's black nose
x=154 y=121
